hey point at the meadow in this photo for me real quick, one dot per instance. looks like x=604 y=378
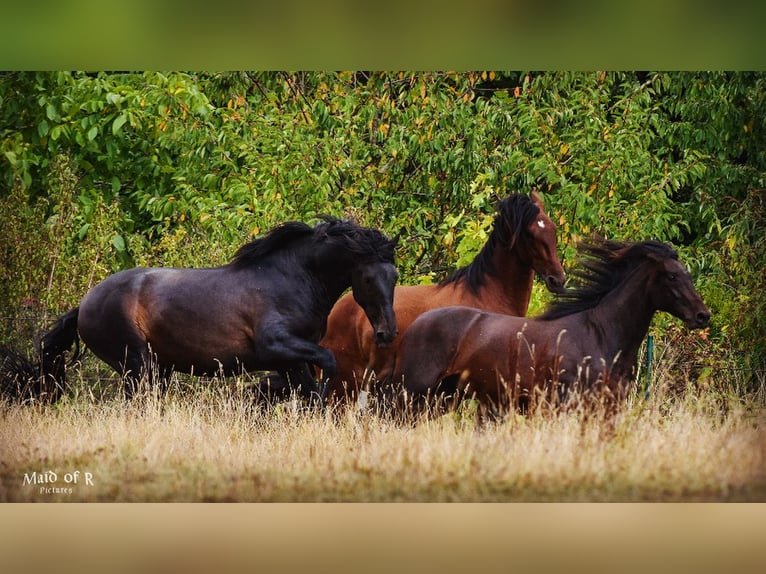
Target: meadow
x=205 y=441
x=111 y=171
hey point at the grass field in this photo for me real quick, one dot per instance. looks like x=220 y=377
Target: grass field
x=207 y=443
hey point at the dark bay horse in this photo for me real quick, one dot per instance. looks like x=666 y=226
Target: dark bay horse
x=589 y=337
x=499 y=279
x=266 y=310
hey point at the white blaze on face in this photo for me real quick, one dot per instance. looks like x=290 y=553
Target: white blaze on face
x=540 y=224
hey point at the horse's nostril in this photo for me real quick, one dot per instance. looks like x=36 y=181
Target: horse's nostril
x=555 y=284
x=703 y=317
x=384 y=335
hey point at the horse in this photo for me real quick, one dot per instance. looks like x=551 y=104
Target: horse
x=264 y=310
x=499 y=279
x=587 y=338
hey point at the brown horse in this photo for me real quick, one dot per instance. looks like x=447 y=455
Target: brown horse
x=499 y=279
x=588 y=338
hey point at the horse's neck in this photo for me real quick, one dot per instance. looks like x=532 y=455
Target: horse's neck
x=332 y=288
x=511 y=284
x=310 y=271
x=623 y=317
x=333 y=274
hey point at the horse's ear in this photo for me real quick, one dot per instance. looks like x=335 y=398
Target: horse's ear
x=395 y=240
x=536 y=199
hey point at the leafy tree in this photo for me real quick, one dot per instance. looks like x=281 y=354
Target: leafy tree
x=108 y=170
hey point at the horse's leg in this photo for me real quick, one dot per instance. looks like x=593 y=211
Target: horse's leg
x=312 y=390
x=111 y=332
x=301 y=354
x=278 y=386
x=302 y=379
x=272 y=388
x=136 y=366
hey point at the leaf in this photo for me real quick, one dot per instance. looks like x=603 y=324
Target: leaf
x=42 y=129
x=51 y=113
x=118 y=122
x=92 y=133
x=118 y=241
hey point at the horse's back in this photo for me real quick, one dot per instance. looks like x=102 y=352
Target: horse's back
x=125 y=305
x=118 y=295
x=188 y=316
x=111 y=296
x=478 y=348
x=435 y=344
x=157 y=284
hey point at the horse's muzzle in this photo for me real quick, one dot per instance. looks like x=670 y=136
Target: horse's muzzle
x=556 y=284
x=383 y=338
x=700 y=320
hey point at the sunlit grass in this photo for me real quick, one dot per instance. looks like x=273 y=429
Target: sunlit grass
x=208 y=442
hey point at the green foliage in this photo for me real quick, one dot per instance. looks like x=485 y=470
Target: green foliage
x=109 y=170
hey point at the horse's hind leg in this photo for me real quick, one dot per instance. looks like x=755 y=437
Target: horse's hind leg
x=114 y=337
x=135 y=367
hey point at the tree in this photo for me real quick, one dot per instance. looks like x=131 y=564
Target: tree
x=180 y=168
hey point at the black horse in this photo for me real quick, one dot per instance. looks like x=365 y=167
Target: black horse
x=266 y=310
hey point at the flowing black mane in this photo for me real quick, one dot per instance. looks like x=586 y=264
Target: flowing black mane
x=601 y=267
x=275 y=240
x=514 y=214
x=363 y=243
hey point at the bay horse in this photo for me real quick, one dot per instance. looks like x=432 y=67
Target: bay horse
x=265 y=310
x=588 y=337
x=499 y=279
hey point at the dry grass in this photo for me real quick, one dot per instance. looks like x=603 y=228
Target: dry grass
x=209 y=444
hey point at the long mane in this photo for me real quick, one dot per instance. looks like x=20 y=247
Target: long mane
x=514 y=214
x=277 y=239
x=601 y=267
x=362 y=242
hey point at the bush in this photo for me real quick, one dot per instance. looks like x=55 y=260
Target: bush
x=109 y=170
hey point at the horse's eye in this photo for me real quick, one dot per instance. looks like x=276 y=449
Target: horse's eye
x=672 y=276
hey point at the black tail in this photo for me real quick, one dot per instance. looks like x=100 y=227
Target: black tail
x=45 y=379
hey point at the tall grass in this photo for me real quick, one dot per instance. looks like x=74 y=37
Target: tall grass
x=205 y=441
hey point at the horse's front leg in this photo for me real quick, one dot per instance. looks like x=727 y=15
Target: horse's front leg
x=300 y=354
x=301 y=377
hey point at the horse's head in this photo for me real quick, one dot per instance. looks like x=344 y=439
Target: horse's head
x=366 y=256
x=373 y=288
x=674 y=293
x=540 y=242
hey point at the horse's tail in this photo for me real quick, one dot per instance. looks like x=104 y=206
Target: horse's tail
x=52 y=349
x=44 y=378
